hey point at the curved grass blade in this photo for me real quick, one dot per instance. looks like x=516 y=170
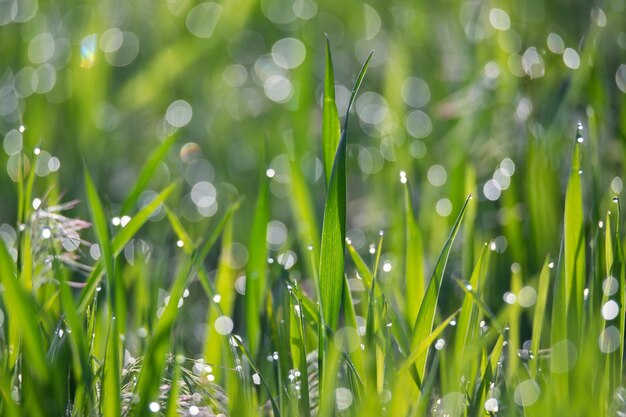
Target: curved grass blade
x=426 y=315
x=331 y=129
x=334 y=225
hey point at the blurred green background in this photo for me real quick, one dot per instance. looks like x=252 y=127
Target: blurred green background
x=463 y=96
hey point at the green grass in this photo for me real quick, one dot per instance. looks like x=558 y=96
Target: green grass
x=429 y=229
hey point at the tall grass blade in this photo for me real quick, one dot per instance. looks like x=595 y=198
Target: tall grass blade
x=216 y=340
x=101 y=228
x=426 y=315
x=110 y=400
x=414 y=260
x=256 y=269
x=573 y=237
x=331 y=129
x=334 y=225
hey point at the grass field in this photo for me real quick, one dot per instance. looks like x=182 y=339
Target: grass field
x=312 y=208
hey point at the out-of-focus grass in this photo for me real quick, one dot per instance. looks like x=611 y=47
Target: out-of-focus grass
x=210 y=131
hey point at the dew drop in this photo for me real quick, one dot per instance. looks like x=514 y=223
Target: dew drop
x=180 y=243
x=21 y=129
x=154 y=407
x=610 y=310
x=491 y=405
x=509 y=297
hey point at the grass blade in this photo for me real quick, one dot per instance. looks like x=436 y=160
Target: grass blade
x=224 y=289
x=101 y=228
x=110 y=399
x=24 y=312
x=331 y=129
x=573 y=237
x=414 y=260
x=422 y=347
x=540 y=312
x=334 y=226
x=120 y=240
x=426 y=315
x=256 y=270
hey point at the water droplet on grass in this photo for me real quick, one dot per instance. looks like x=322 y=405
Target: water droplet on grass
x=256 y=379
x=491 y=405
x=509 y=297
x=610 y=310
